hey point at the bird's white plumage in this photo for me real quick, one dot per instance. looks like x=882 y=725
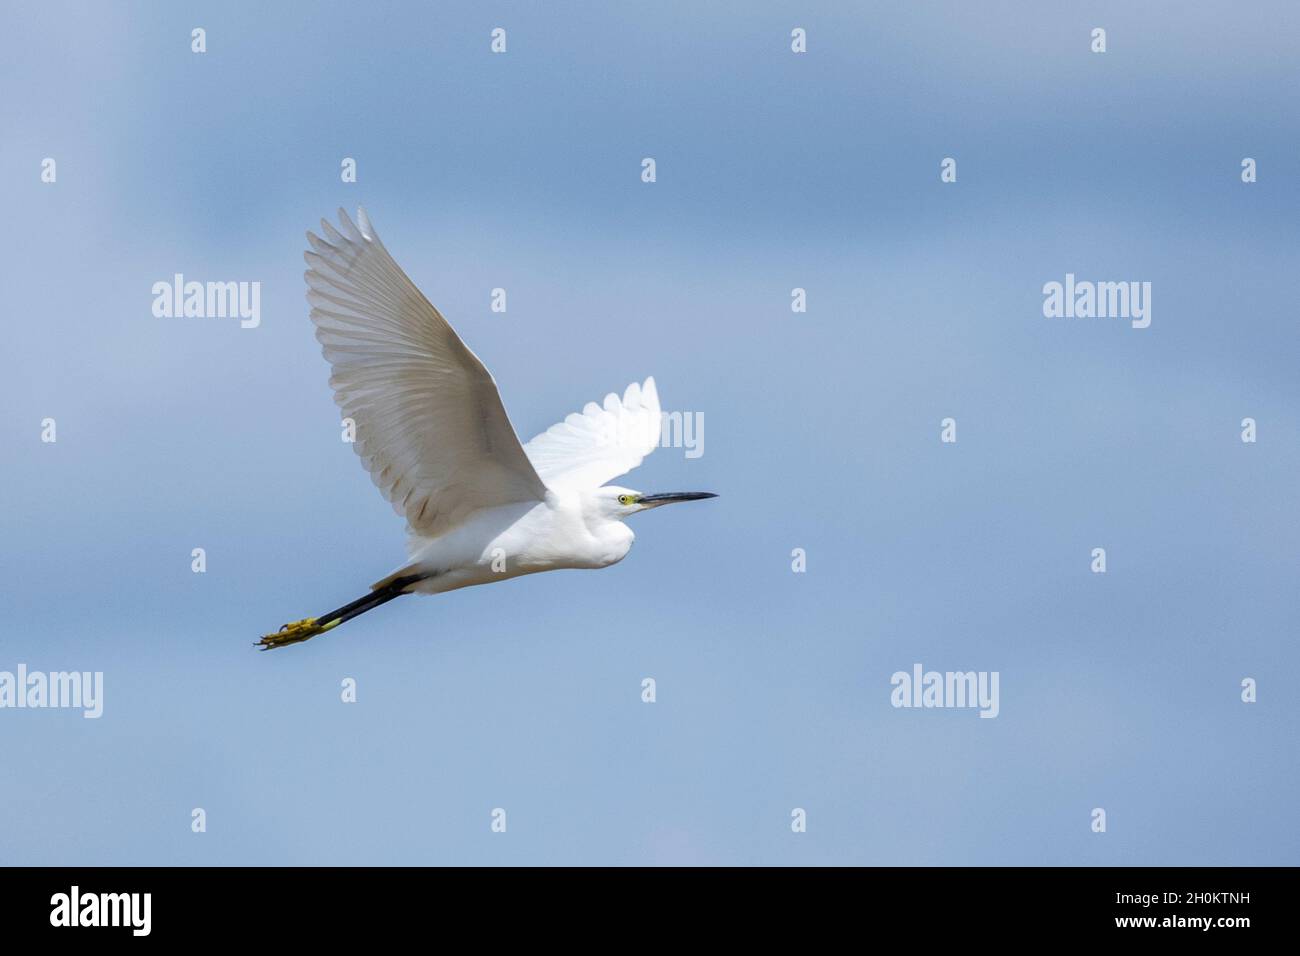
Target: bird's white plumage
x=601 y=442
x=430 y=426
x=432 y=432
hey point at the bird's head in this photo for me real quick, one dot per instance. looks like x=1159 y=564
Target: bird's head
x=619 y=503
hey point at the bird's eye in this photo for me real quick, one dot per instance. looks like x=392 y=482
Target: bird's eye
x=625 y=499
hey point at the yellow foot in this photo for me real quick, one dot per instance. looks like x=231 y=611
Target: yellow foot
x=293 y=633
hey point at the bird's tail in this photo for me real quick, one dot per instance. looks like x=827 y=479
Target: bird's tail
x=309 y=627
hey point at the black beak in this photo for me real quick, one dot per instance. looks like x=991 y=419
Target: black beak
x=668 y=497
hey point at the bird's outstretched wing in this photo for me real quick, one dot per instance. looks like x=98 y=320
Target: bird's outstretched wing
x=430 y=426
x=589 y=448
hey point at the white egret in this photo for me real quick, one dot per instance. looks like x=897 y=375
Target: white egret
x=431 y=430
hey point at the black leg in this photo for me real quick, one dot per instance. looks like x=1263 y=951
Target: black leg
x=393 y=589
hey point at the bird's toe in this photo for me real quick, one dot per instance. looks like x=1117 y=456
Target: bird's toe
x=291 y=634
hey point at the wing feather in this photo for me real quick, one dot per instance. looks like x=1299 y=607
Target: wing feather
x=601 y=442
x=430 y=426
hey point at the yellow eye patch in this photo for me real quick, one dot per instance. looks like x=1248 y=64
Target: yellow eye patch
x=626 y=499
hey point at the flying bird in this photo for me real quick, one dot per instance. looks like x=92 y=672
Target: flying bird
x=434 y=435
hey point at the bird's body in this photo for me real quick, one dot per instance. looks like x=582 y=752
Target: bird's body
x=431 y=430
x=564 y=530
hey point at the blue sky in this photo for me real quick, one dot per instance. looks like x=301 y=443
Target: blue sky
x=775 y=170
